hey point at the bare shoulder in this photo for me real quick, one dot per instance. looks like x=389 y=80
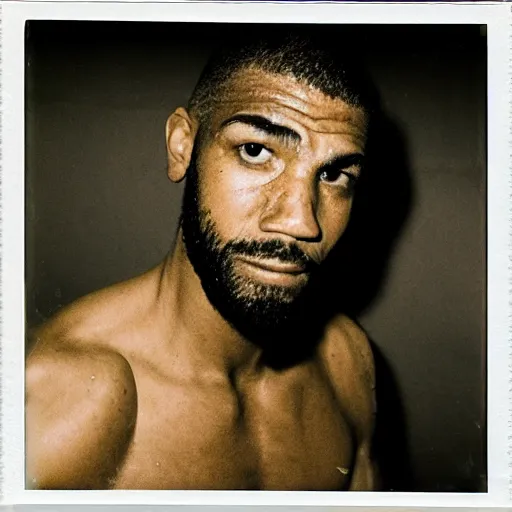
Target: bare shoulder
x=346 y=346
x=97 y=317
x=80 y=412
x=347 y=356
x=81 y=398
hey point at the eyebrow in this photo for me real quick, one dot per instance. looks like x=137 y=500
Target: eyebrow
x=265 y=125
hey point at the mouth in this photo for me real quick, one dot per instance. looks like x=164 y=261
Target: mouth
x=275 y=265
x=274 y=271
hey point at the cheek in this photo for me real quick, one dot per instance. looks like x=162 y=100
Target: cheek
x=230 y=196
x=333 y=217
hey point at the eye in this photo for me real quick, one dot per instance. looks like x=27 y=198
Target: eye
x=254 y=153
x=337 y=177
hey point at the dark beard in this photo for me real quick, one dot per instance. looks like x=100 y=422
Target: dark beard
x=267 y=315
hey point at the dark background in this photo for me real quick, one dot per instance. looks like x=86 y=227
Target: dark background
x=99 y=208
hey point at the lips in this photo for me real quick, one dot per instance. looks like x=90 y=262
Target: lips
x=274 y=265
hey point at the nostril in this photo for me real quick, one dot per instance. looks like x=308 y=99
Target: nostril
x=292 y=218
x=312 y=238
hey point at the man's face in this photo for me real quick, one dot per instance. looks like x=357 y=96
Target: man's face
x=268 y=195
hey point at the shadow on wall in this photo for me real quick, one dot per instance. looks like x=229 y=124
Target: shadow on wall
x=358 y=266
x=382 y=204
x=391 y=440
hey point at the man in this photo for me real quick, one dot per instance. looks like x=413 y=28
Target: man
x=224 y=367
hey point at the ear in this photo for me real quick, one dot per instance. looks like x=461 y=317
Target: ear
x=180 y=133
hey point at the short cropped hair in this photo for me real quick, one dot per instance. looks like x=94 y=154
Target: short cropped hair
x=308 y=60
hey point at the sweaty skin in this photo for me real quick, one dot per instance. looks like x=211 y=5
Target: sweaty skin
x=144 y=385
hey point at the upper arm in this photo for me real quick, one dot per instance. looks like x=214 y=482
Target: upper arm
x=349 y=359
x=80 y=412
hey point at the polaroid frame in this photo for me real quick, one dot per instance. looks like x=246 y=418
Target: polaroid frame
x=499 y=401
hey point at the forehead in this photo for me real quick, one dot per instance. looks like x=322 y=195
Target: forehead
x=285 y=100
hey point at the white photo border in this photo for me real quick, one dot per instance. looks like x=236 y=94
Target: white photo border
x=496 y=16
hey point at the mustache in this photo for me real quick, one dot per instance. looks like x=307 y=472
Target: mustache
x=271 y=249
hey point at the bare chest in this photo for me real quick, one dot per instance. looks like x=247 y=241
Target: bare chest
x=288 y=436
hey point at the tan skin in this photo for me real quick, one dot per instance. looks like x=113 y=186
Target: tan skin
x=144 y=385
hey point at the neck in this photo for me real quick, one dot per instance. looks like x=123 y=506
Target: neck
x=203 y=337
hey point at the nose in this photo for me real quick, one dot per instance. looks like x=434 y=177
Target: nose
x=291 y=210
